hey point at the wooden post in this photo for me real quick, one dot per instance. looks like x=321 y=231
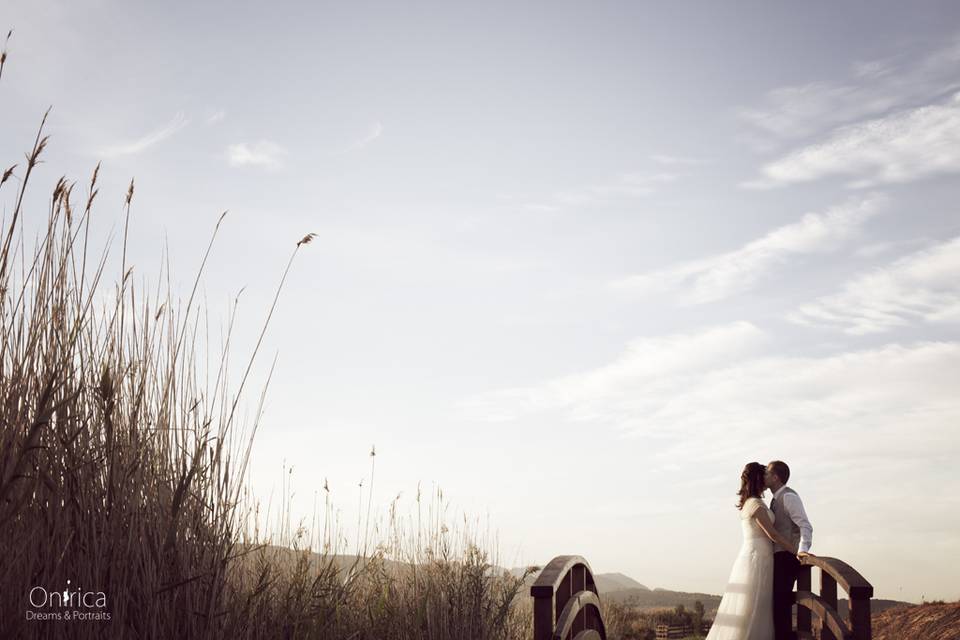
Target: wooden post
x=564 y=591
x=828 y=591
x=579 y=583
x=803 y=614
x=860 y=617
x=543 y=619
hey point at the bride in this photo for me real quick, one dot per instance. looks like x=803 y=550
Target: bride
x=746 y=609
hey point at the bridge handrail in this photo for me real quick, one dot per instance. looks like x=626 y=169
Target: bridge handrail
x=566 y=601
x=846 y=576
x=556 y=570
x=833 y=573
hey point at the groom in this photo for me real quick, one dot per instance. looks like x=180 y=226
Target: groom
x=791 y=521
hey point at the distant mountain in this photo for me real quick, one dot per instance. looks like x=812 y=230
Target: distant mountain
x=286 y=558
x=876 y=606
x=662 y=598
x=607 y=582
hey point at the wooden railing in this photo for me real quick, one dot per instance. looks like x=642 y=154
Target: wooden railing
x=833 y=572
x=566 y=604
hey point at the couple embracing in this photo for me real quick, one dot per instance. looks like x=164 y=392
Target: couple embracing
x=758 y=601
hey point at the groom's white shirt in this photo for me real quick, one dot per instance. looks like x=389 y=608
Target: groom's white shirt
x=793 y=505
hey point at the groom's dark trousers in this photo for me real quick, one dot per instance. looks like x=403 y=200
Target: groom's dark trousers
x=785 y=570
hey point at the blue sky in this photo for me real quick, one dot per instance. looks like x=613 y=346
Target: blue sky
x=595 y=255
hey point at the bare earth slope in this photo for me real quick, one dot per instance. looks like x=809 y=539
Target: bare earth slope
x=926 y=621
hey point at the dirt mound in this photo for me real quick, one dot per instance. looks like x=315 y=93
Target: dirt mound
x=927 y=621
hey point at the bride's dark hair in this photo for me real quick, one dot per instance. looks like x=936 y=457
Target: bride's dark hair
x=752 y=484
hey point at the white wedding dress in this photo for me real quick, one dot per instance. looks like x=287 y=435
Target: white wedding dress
x=746 y=609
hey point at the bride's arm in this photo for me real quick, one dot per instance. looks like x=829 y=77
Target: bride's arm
x=763 y=520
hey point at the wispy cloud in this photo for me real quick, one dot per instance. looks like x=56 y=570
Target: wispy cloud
x=923 y=286
x=905 y=146
x=595 y=394
x=722 y=275
x=215 y=117
x=715 y=391
x=873 y=250
x=374 y=131
x=872 y=88
x=623 y=187
x=143 y=143
x=263 y=154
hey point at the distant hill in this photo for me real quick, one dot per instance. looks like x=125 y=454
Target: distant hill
x=607 y=582
x=876 y=606
x=662 y=598
x=286 y=558
x=926 y=621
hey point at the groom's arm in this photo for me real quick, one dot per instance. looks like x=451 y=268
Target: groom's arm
x=794 y=507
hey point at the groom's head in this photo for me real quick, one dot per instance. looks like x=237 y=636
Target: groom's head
x=777 y=474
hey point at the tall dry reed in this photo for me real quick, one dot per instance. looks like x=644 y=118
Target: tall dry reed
x=122 y=471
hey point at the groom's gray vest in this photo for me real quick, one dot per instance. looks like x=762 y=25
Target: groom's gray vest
x=784 y=523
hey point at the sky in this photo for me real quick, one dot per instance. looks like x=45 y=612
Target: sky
x=575 y=265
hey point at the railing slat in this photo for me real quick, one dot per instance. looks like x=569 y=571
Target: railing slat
x=564 y=593
x=576 y=605
x=804 y=622
x=828 y=592
x=580 y=584
x=812 y=603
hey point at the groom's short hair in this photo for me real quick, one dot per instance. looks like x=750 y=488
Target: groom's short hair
x=780 y=468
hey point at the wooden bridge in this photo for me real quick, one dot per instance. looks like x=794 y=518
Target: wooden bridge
x=566 y=603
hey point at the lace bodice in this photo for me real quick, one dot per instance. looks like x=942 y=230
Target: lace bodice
x=750 y=527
